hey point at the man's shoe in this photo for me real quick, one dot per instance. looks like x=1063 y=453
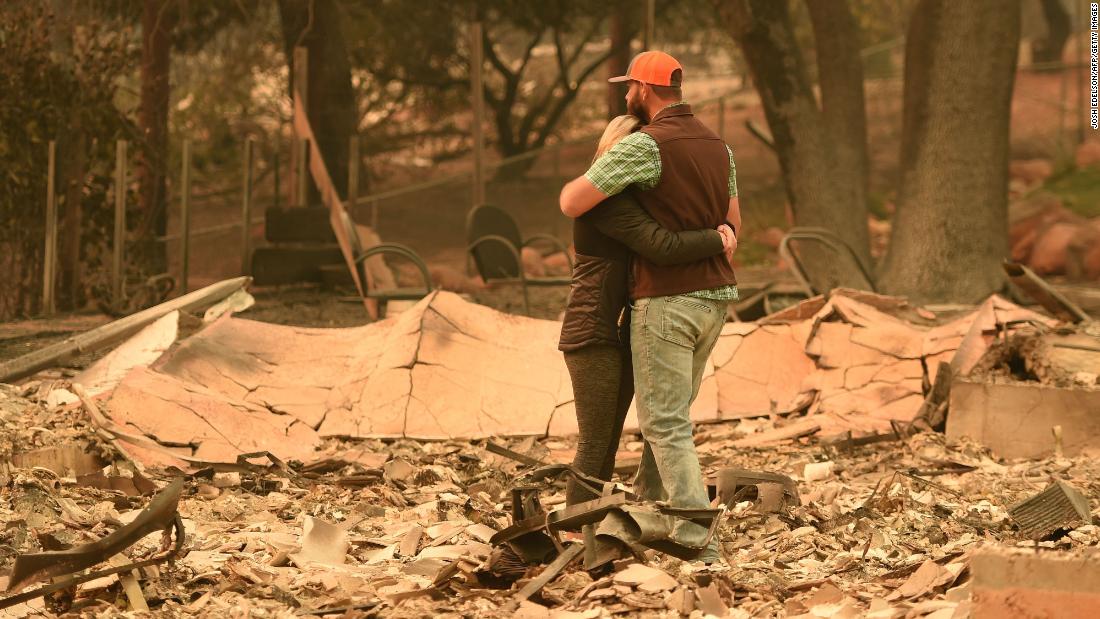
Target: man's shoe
x=708 y=559
x=710 y=555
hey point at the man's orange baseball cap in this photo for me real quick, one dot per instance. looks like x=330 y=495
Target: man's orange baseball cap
x=654 y=68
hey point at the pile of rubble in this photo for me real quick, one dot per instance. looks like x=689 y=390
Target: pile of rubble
x=405 y=528
x=415 y=466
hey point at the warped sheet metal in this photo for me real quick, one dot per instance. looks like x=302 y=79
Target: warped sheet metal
x=449 y=369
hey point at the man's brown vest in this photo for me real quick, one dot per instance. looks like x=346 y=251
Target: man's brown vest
x=693 y=193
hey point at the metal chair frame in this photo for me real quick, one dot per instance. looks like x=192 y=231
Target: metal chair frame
x=830 y=240
x=514 y=251
x=384 y=296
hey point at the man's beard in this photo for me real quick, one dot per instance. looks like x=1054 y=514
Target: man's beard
x=635 y=108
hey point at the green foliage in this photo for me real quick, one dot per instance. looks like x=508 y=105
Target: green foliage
x=1079 y=188
x=56 y=78
x=879 y=24
x=880 y=21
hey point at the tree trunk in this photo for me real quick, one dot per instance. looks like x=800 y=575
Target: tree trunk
x=843 y=109
x=950 y=230
x=158 y=18
x=1049 y=49
x=822 y=152
x=72 y=167
x=331 y=106
x=619 y=60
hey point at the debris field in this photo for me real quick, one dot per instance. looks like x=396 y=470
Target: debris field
x=212 y=476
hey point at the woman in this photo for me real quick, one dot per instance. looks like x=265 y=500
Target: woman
x=594 y=331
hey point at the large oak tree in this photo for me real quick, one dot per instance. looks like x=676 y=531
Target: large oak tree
x=950 y=230
x=821 y=145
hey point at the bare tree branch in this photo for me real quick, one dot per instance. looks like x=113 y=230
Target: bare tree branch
x=562 y=103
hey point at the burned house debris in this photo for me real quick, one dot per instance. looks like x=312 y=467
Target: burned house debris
x=415 y=466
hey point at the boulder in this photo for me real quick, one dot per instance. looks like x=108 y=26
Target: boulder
x=446 y=277
x=770 y=237
x=1032 y=172
x=532 y=262
x=1088 y=155
x=1048 y=256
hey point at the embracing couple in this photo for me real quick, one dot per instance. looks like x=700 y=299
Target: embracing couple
x=655 y=224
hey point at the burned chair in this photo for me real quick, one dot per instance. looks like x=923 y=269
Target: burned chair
x=383 y=295
x=494 y=245
x=818 y=276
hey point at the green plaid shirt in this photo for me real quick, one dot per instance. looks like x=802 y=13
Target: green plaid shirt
x=636 y=160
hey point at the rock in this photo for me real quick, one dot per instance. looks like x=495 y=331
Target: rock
x=1088 y=155
x=446 y=277
x=1029 y=217
x=1066 y=248
x=1048 y=257
x=532 y=262
x=1031 y=171
x=770 y=237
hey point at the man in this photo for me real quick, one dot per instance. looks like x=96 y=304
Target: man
x=684 y=176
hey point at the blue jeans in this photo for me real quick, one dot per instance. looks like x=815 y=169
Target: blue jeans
x=671 y=339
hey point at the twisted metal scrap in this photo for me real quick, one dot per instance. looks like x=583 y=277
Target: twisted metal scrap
x=160 y=515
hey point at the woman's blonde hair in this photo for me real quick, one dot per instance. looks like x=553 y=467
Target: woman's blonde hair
x=617 y=129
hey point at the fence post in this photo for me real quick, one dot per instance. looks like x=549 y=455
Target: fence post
x=301 y=177
x=246 y=208
x=722 y=117
x=276 y=163
x=49 y=274
x=477 y=102
x=185 y=217
x=300 y=92
x=119 y=238
x=353 y=172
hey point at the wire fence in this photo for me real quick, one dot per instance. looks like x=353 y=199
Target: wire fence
x=208 y=238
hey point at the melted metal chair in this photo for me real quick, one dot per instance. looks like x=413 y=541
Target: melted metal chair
x=494 y=244
x=807 y=276
x=383 y=295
